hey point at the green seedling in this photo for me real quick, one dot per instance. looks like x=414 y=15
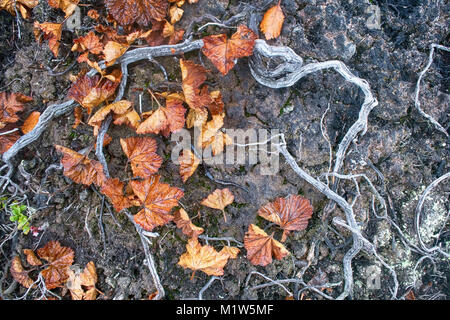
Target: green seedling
x=17 y=215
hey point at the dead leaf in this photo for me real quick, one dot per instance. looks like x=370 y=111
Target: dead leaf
x=60 y=259
x=31 y=258
x=219 y=199
x=126 y=12
x=211 y=136
x=19 y=274
x=112 y=51
x=196 y=118
x=232 y=252
x=272 y=22
x=23 y=6
x=223 y=52
x=157 y=200
x=175 y=14
x=30 y=122
x=90 y=42
x=291 y=213
x=183 y=222
x=52 y=33
x=78 y=114
x=188 y=164
x=68 y=6
x=165 y=119
x=204 y=258
x=113 y=189
x=10 y=105
x=8 y=140
x=118 y=108
x=92 y=91
x=80 y=168
x=131 y=119
x=141 y=152
x=261 y=247
x=193 y=76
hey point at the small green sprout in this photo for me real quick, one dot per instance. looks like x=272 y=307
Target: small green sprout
x=19 y=217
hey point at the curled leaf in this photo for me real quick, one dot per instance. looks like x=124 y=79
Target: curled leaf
x=272 y=22
x=19 y=274
x=219 y=199
x=31 y=122
x=183 y=222
x=188 y=164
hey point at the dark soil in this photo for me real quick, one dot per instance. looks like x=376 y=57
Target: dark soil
x=401 y=152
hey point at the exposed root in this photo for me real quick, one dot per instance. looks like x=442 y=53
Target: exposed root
x=416 y=93
x=206 y=286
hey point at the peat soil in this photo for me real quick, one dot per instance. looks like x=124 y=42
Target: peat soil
x=384 y=42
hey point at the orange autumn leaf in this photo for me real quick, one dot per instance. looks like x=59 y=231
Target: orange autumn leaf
x=196 y=118
x=204 y=258
x=126 y=12
x=51 y=32
x=223 y=52
x=19 y=274
x=80 y=168
x=232 y=252
x=68 y=6
x=77 y=280
x=59 y=260
x=181 y=219
x=8 y=140
x=261 y=247
x=157 y=200
x=216 y=105
x=112 y=51
x=141 y=152
x=219 y=199
x=119 y=107
x=188 y=164
x=131 y=119
x=78 y=114
x=10 y=105
x=272 y=22
x=31 y=258
x=175 y=14
x=165 y=119
x=90 y=42
x=30 y=122
x=93 y=14
x=211 y=136
x=113 y=189
x=92 y=91
x=193 y=76
x=23 y=6
x=291 y=213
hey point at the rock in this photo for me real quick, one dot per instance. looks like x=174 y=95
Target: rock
x=374 y=20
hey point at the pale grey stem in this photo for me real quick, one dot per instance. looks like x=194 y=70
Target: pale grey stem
x=417 y=91
x=207 y=285
x=418 y=213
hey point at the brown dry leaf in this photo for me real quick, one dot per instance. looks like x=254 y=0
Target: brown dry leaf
x=141 y=152
x=181 y=219
x=193 y=76
x=219 y=199
x=119 y=107
x=73 y=283
x=8 y=140
x=175 y=14
x=60 y=259
x=157 y=200
x=30 y=122
x=68 y=6
x=112 y=51
x=10 y=105
x=78 y=114
x=272 y=22
x=126 y=12
x=92 y=91
x=196 y=118
x=19 y=274
x=223 y=52
x=52 y=33
x=93 y=14
x=113 y=189
x=204 y=258
x=165 y=119
x=77 y=280
x=211 y=136
x=232 y=252
x=23 y=6
x=216 y=105
x=90 y=42
x=291 y=213
x=261 y=247
x=131 y=119
x=31 y=258
x=80 y=168
x=188 y=164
